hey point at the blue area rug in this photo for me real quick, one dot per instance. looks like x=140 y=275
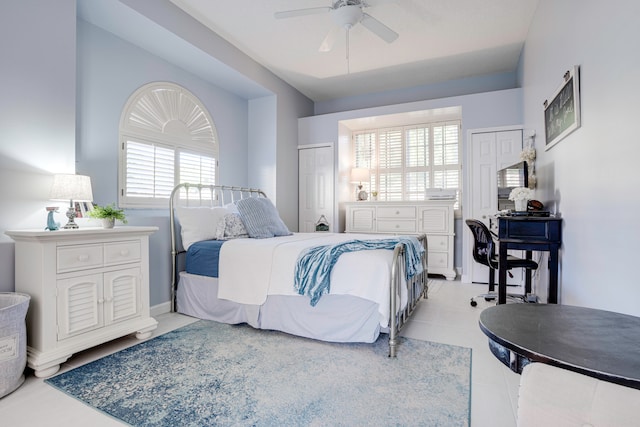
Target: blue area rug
x=211 y=374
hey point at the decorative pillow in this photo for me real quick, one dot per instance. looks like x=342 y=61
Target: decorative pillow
x=198 y=224
x=261 y=218
x=231 y=227
x=231 y=207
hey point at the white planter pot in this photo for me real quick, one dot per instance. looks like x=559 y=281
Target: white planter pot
x=108 y=222
x=521 y=205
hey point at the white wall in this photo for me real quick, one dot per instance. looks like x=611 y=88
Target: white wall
x=592 y=175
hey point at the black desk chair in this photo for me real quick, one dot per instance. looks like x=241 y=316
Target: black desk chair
x=484 y=253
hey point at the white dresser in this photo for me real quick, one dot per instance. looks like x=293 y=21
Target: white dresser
x=431 y=217
x=87 y=286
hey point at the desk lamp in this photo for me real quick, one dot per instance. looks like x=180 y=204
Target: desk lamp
x=75 y=188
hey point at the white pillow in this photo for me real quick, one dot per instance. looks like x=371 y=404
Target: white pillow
x=198 y=224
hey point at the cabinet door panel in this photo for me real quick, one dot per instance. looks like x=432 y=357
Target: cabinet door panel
x=79 y=305
x=434 y=220
x=122 y=295
x=362 y=219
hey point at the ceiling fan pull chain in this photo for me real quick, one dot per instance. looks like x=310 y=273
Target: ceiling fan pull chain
x=348 y=67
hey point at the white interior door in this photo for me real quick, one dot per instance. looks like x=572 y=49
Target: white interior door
x=315 y=187
x=490 y=151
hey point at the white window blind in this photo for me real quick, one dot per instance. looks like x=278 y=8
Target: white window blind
x=150 y=170
x=406 y=161
x=167 y=137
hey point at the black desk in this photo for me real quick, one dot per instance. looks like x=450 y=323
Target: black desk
x=529 y=234
x=598 y=343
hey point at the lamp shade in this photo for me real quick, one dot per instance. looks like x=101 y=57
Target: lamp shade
x=71 y=187
x=359 y=175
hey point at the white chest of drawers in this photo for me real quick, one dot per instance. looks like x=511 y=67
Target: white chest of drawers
x=430 y=217
x=87 y=286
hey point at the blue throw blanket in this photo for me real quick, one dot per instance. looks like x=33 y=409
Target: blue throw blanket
x=314 y=265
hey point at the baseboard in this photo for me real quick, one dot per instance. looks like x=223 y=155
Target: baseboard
x=162 y=308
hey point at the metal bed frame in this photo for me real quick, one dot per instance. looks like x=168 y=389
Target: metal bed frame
x=219 y=195
x=214 y=195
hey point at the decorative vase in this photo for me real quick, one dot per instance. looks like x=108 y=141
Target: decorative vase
x=108 y=222
x=521 y=205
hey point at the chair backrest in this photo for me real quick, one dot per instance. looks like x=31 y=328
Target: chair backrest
x=483 y=247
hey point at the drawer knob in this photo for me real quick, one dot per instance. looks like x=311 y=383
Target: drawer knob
x=397 y=212
x=83 y=257
x=397 y=225
x=124 y=252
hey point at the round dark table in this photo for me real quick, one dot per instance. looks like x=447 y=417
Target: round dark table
x=598 y=343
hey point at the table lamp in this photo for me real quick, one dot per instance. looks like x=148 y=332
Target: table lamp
x=75 y=188
x=358 y=175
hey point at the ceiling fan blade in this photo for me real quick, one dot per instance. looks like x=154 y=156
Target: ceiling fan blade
x=330 y=39
x=378 y=28
x=301 y=12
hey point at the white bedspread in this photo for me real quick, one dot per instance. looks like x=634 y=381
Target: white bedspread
x=251 y=269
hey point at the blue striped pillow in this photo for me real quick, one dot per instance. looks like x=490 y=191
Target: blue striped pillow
x=261 y=218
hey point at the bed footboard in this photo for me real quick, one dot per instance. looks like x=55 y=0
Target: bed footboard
x=416 y=288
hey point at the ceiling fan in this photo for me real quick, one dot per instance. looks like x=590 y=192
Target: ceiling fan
x=346 y=14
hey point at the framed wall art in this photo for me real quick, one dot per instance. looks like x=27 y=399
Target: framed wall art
x=562 y=113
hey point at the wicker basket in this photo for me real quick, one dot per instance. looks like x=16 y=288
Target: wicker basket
x=13 y=340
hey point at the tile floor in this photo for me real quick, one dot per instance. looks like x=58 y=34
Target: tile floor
x=445 y=317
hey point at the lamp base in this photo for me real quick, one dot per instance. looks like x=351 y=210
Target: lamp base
x=71 y=214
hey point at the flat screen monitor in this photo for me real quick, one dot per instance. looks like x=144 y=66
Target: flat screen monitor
x=510 y=177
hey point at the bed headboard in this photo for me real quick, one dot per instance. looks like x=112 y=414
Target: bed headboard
x=198 y=195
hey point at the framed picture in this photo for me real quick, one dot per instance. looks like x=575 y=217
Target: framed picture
x=562 y=113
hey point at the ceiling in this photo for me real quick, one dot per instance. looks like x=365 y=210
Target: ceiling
x=439 y=40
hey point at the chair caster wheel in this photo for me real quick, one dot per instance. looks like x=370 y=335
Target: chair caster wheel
x=473 y=303
x=489 y=299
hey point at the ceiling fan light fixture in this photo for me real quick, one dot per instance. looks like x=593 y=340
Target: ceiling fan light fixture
x=347 y=16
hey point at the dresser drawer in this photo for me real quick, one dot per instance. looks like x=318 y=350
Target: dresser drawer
x=438 y=243
x=121 y=252
x=79 y=257
x=437 y=260
x=396 y=212
x=396 y=226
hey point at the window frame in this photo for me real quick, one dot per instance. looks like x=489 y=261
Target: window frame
x=166 y=115
x=373 y=161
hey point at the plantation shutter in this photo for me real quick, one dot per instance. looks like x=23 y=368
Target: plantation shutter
x=446 y=166
x=417 y=162
x=167 y=137
x=390 y=170
x=405 y=162
x=365 y=155
x=150 y=170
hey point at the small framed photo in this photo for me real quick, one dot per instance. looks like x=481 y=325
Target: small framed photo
x=562 y=113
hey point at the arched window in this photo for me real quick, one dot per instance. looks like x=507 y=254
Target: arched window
x=166 y=137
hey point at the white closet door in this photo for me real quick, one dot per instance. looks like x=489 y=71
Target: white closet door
x=316 y=187
x=490 y=151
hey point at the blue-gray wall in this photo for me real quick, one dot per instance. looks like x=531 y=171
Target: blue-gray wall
x=66 y=81
x=479 y=110
x=109 y=71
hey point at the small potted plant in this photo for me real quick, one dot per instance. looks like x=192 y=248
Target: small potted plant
x=108 y=214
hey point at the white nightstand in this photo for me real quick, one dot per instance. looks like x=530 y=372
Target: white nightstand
x=87 y=286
